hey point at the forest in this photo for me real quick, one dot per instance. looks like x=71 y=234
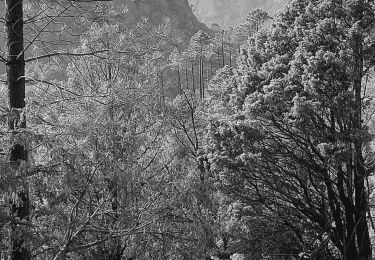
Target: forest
x=131 y=131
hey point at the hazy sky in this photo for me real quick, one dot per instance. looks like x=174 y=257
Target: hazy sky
x=230 y=12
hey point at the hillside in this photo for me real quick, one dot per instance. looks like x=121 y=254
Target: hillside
x=230 y=12
x=178 y=12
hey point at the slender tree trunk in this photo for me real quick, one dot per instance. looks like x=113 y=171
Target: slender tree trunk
x=212 y=72
x=15 y=71
x=230 y=58
x=179 y=81
x=222 y=53
x=116 y=250
x=193 y=78
x=187 y=77
x=162 y=88
x=207 y=77
x=201 y=74
x=218 y=57
x=200 y=77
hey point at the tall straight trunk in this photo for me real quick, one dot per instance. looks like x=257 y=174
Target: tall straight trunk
x=218 y=57
x=15 y=71
x=200 y=77
x=207 y=78
x=187 y=77
x=15 y=67
x=212 y=73
x=222 y=53
x=179 y=81
x=230 y=58
x=193 y=78
x=113 y=248
x=162 y=88
x=117 y=249
x=360 y=192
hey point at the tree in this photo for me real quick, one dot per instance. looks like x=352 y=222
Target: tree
x=254 y=21
x=199 y=44
x=186 y=121
x=116 y=188
x=290 y=138
x=176 y=61
x=15 y=80
x=15 y=68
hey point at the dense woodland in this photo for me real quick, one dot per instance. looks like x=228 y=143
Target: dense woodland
x=128 y=141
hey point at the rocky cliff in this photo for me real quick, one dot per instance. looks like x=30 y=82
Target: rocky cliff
x=178 y=12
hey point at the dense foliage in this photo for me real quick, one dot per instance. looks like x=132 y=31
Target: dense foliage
x=248 y=143
x=288 y=137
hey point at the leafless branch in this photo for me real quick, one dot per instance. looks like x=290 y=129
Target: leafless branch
x=3 y=59
x=40 y=31
x=49 y=55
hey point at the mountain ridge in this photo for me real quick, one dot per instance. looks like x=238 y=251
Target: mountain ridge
x=179 y=12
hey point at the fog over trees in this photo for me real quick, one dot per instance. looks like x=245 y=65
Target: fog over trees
x=231 y=12
x=131 y=130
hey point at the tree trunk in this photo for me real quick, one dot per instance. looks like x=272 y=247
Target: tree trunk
x=179 y=81
x=192 y=73
x=187 y=76
x=162 y=88
x=222 y=53
x=230 y=58
x=202 y=75
x=15 y=71
x=360 y=175
x=218 y=57
x=212 y=73
x=15 y=67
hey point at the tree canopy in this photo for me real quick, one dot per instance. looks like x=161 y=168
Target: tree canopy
x=288 y=135
x=126 y=141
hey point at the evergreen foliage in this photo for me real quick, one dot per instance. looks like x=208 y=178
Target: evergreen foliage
x=253 y=142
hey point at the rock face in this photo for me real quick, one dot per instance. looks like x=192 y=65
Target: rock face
x=177 y=12
x=230 y=12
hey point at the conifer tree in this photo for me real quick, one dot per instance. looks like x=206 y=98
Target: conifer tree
x=290 y=134
x=199 y=44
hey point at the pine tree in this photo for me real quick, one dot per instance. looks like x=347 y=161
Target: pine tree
x=295 y=139
x=199 y=44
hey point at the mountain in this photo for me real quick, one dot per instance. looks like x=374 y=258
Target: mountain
x=231 y=12
x=178 y=12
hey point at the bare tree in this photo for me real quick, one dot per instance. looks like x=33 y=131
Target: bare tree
x=15 y=80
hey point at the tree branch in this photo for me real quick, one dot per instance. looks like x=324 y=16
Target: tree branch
x=40 y=31
x=3 y=59
x=49 y=55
